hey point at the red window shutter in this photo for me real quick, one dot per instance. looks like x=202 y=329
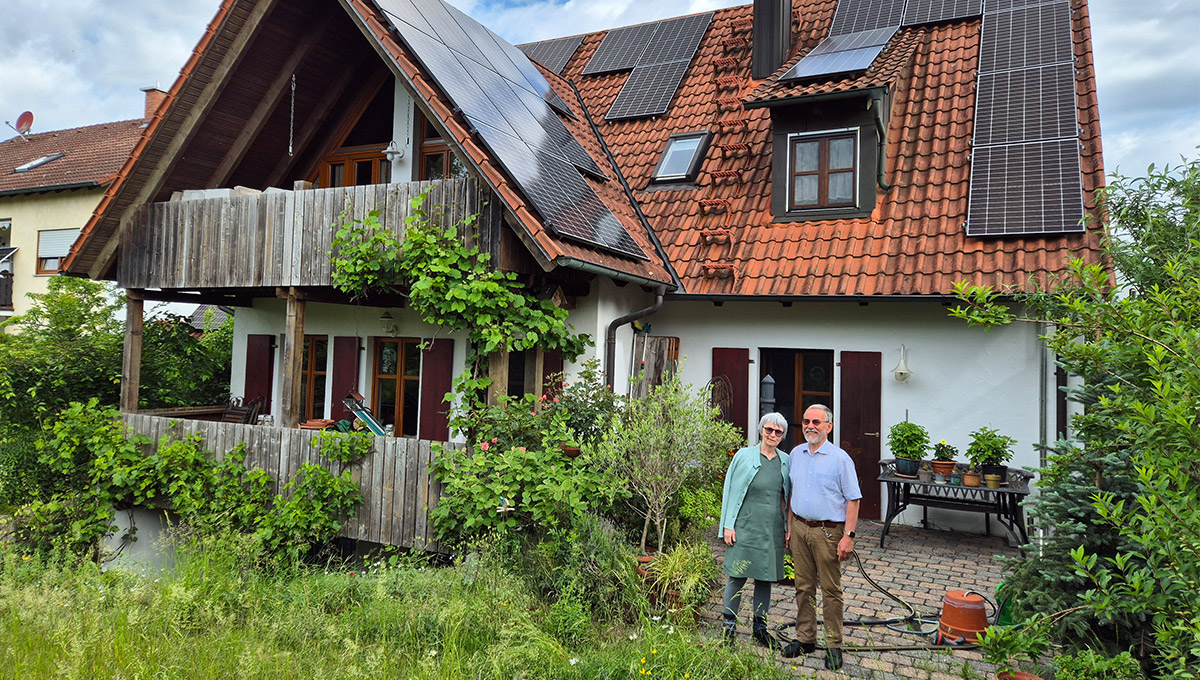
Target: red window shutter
x=345 y=374
x=260 y=368
x=552 y=364
x=437 y=373
x=733 y=363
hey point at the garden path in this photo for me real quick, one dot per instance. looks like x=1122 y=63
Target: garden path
x=919 y=566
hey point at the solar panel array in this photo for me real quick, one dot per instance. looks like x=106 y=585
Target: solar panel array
x=934 y=11
x=1025 y=169
x=659 y=54
x=861 y=29
x=552 y=54
x=507 y=102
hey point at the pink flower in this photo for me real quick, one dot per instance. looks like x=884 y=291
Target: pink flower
x=484 y=446
x=495 y=439
x=520 y=448
x=556 y=400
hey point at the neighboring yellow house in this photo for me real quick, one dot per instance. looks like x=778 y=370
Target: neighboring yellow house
x=49 y=186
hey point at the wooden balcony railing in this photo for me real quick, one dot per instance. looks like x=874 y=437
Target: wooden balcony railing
x=280 y=238
x=398 y=490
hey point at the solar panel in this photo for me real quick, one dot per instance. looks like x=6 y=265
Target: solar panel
x=1005 y=5
x=934 y=11
x=675 y=39
x=853 y=16
x=508 y=102
x=842 y=53
x=1024 y=37
x=552 y=54
x=1026 y=189
x=1025 y=105
x=648 y=91
x=620 y=49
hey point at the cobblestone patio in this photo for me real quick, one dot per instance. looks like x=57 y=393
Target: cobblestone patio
x=919 y=566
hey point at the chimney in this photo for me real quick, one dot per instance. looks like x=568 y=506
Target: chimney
x=772 y=36
x=154 y=97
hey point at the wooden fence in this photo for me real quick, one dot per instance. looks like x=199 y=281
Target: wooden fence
x=281 y=238
x=398 y=490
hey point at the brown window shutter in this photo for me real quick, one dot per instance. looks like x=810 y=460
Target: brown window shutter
x=260 y=369
x=437 y=373
x=345 y=374
x=734 y=364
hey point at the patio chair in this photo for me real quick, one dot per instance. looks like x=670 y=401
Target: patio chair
x=354 y=404
x=238 y=412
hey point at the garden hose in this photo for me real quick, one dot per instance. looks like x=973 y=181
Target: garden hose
x=912 y=618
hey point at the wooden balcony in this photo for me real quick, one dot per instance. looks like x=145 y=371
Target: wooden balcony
x=281 y=238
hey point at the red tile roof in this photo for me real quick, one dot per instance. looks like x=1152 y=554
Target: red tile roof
x=92 y=156
x=913 y=242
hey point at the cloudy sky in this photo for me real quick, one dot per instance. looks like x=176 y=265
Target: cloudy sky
x=78 y=62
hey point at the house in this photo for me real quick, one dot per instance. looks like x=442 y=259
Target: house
x=50 y=182
x=784 y=194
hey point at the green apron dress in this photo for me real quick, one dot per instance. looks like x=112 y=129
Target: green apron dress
x=757 y=551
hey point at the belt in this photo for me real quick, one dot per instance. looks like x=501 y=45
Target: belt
x=819 y=523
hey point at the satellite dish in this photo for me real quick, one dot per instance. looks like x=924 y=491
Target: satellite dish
x=24 y=122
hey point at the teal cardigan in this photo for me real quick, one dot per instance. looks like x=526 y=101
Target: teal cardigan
x=741 y=471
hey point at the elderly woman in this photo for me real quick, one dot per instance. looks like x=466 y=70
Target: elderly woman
x=753 y=524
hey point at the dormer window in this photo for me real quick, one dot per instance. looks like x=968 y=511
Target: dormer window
x=39 y=162
x=822 y=169
x=681 y=159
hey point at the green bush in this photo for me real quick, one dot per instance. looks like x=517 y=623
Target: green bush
x=908 y=440
x=1092 y=665
x=23 y=477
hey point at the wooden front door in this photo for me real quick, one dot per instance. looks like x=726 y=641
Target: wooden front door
x=860 y=418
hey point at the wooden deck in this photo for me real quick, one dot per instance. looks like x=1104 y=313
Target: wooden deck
x=281 y=238
x=398 y=491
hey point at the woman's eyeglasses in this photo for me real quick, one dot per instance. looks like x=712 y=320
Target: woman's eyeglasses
x=772 y=431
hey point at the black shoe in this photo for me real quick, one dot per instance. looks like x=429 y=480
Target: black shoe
x=765 y=639
x=833 y=659
x=795 y=648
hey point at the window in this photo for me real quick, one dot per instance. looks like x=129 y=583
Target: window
x=5 y=232
x=53 y=246
x=682 y=157
x=312 y=377
x=355 y=167
x=437 y=158
x=39 y=162
x=396 y=380
x=821 y=170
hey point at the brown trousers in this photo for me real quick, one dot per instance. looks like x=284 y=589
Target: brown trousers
x=814 y=554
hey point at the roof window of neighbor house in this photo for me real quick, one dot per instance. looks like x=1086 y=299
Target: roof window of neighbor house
x=39 y=162
x=681 y=159
x=822 y=169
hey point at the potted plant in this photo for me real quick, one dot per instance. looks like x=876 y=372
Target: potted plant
x=925 y=474
x=990 y=451
x=971 y=477
x=683 y=577
x=943 y=458
x=908 y=443
x=1005 y=646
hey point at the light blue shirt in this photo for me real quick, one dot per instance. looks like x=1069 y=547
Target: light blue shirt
x=822 y=482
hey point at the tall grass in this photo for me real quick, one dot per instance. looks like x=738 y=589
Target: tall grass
x=216 y=616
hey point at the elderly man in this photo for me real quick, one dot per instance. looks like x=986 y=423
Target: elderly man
x=824 y=513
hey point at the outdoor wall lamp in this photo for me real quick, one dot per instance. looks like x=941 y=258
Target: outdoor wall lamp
x=392 y=152
x=902 y=371
x=388 y=324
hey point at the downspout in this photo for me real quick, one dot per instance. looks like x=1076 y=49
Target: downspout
x=876 y=107
x=610 y=339
x=1043 y=378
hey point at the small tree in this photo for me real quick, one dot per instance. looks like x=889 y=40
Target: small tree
x=664 y=440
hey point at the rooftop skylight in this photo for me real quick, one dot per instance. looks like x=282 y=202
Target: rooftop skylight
x=39 y=162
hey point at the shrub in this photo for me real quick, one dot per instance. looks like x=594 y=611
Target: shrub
x=1091 y=665
x=989 y=447
x=908 y=440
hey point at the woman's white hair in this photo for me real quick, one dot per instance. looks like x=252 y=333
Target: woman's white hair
x=775 y=419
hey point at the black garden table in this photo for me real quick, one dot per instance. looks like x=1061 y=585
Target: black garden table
x=1004 y=502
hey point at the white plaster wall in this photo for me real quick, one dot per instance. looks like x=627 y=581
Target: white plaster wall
x=149 y=552
x=270 y=316
x=963 y=378
x=607 y=301
x=403 y=133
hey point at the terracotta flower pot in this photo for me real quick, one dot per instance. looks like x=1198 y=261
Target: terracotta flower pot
x=943 y=467
x=1018 y=675
x=970 y=479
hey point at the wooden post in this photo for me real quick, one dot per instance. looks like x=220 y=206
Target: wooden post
x=534 y=371
x=131 y=360
x=293 y=360
x=498 y=372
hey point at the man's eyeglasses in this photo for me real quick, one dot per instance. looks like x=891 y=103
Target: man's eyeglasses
x=806 y=421
x=773 y=431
